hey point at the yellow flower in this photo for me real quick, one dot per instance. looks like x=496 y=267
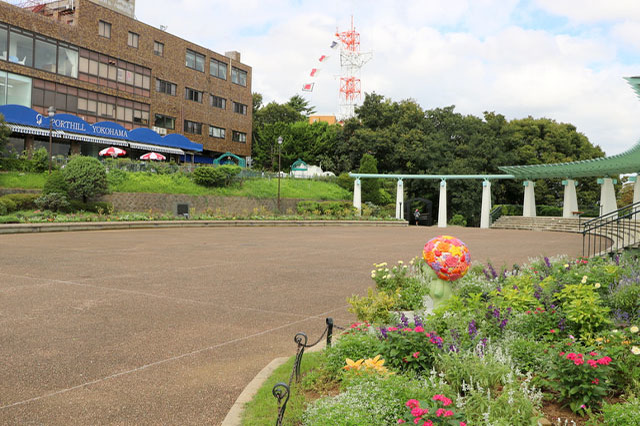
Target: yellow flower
x=374 y=363
x=566 y=265
x=597 y=285
x=633 y=329
x=353 y=365
x=625 y=342
x=635 y=350
x=383 y=264
x=584 y=279
x=599 y=339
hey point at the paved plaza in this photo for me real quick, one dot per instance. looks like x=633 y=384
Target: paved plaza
x=167 y=326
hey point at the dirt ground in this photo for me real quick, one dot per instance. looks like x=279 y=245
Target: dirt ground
x=167 y=326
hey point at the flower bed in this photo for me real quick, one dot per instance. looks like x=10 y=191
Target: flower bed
x=556 y=338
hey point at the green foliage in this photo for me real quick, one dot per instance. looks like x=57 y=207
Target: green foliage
x=583 y=308
x=374 y=308
x=458 y=220
x=92 y=206
x=466 y=367
x=6 y=206
x=86 y=178
x=354 y=344
x=53 y=201
x=371 y=400
x=529 y=355
x=581 y=378
x=22 y=180
x=370 y=187
x=215 y=176
x=621 y=414
x=411 y=349
x=39 y=161
x=19 y=201
x=55 y=183
x=345 y=181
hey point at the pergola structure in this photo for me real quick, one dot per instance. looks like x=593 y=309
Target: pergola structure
x=605 y=169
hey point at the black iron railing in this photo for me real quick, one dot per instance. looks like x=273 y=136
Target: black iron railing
x=611 y=232
x=281 y=390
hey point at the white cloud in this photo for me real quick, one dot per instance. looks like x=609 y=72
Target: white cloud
x=464 y=52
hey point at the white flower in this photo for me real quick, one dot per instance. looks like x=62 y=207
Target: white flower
x=584 y=279
x=373 y=275
x=633 y=329
x=400 y=262
x=635 y=350
x=597 y=285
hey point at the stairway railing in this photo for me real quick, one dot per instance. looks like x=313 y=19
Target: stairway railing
x=611 y=232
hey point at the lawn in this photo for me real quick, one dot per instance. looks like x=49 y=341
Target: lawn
x=181 y=184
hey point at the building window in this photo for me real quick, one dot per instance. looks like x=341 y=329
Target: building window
x=239 y=108
x=45 y=55
x=192 y=127
x=195 y=60
x=218 y=102
x=164 y=121
x=165 y=87
x=15 y=89
x=238 y=76
x=158 y=48
x=239 y=136
x=216 y=132
x=21 y=47
x=218 y=69
x=104 y=29
x=192 y=95
x=67 y=60
x=111 y=72
x=133 y=39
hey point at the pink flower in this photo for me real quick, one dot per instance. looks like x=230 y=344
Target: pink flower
x=593 y=353
x=463 y=424
x=445 y=401
x=605 y=360
x=416 y=412
x=561 y=354
x=552 y=331
x=592 y=363
x=419 y=329
x=417 y=420
x=571 y=356
x=413 y=403
x=578 y=361
x=427 y=423
x=400 y=421
x=448 y=413
x=440 y=412
x=416 y=354
x=392 y=329
x=407 y=329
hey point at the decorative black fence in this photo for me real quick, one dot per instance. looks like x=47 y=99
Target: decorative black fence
x=611 y=232
x=281 y=391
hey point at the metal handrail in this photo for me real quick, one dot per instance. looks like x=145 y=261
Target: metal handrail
x=613 y=213
x=618 y=228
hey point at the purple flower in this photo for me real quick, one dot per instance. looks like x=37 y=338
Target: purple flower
x=418 y=321
x=383 y=331
x=515 y=287
x=404 y=320
x=537 y=292
x=503 y=323
x=561 y=324
x=473 y=331
x=547 y=262
x=453 y=348
x=492 y=271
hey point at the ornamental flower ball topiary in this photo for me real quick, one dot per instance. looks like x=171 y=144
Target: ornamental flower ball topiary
x=447 y=256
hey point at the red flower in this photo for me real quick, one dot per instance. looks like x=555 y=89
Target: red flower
x=604 y=360
x=552 y=331
x=595 y=381
x=416 y=354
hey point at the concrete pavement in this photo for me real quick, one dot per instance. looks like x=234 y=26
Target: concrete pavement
x=167 y=326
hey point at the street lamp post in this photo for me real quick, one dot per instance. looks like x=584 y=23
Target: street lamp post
x=279 y=165
x=51 y=113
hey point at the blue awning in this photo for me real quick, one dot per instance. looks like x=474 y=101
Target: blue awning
x=25 y=120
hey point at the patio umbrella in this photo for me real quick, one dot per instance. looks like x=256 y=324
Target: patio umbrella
x=153 y=156
x=112 y=151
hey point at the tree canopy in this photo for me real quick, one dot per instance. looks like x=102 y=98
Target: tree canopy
x=404 y=138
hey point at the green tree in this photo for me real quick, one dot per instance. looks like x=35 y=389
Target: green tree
x=370 y=187
x=301 y=105
x=5 y=131
x=86 y=178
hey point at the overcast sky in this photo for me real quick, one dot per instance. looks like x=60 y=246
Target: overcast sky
x=560 y=59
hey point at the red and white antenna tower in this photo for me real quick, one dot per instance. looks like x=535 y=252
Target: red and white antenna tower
x=351 y=61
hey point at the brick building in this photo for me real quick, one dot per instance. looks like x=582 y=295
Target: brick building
x=94 y=63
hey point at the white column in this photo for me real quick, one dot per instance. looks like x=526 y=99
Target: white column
x=570 y=198
x=442 y=205
x=529 y=206
x=486 y=205
x=357 y=201
x=607 y=196
x=399 y=200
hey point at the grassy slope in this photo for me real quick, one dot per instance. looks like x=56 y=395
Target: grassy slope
x=178 y=184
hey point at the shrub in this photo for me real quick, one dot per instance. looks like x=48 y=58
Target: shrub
x=95 y=207
x=39 y=161
x=16 y=202
x=215 y=176
x=458 y=220
x=86 y=178
x=55 y=183
x=345 y=181
x=116 y=176
x=53 y=201
x=355 y=344
x=307 y=207
x=9 y=219
x=583 y=309
x=411 y=348
x=374 y=308
x=6 y=206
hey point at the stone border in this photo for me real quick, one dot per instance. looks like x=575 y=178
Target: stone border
x=234 y=416
x=18 y=228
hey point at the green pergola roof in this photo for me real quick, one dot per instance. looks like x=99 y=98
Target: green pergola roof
x=626 y=162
